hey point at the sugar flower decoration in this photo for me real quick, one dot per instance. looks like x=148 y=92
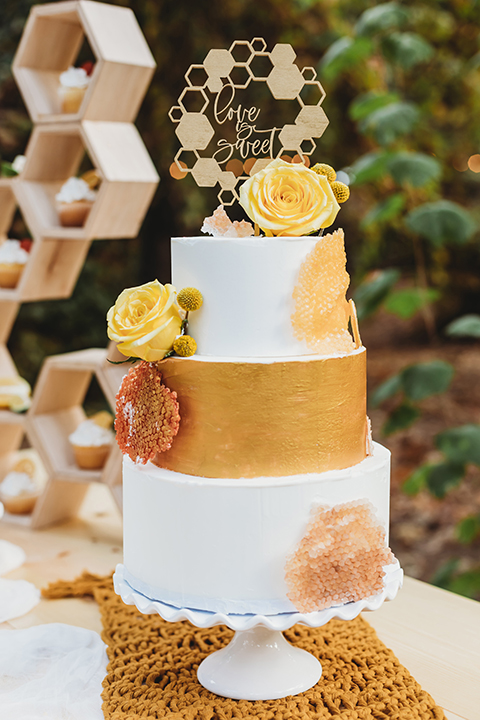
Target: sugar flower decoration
x=220 y=225
x=289 y=199
x=340 y=559
x=147 y=414
x=145 y=321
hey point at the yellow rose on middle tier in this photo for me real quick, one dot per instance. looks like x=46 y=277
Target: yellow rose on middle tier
x=289 y=199
x=145 y=321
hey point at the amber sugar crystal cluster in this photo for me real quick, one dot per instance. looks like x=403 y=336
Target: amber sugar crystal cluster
x=321 y=311
x=340 y=559
x=147 y=413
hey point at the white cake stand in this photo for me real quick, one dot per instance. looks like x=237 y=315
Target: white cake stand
x=258 y=663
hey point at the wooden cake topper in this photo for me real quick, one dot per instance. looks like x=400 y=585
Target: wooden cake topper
x=215 y=88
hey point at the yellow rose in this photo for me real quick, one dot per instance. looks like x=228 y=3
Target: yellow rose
x=145 y=321
x=289 y=199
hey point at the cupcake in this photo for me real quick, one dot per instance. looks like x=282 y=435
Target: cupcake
x=19 y=492
x=92 y=442
x=12 y=262
x=75 y=201
x=14 y=393
x=73 y=84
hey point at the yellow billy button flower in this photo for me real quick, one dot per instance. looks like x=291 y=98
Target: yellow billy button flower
x=190 y=299
x=185 y=346
x=341 y=191
x=324 y=169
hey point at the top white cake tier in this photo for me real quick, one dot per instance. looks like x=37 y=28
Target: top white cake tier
x=247 y=286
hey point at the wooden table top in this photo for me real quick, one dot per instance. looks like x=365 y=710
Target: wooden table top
x=434 y=633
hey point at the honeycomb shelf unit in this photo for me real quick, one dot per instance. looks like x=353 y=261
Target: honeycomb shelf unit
x=56 y=411
x=116 y=150
x=51 y=42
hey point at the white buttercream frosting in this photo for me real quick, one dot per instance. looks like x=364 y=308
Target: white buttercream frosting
x=19 y=163
x=11 y=252
x=74 y=78
x=17 y=483
x=89 y=434
x=75 y=189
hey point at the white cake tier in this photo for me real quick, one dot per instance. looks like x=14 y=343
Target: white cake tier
x=221 y=545
x=247 y=285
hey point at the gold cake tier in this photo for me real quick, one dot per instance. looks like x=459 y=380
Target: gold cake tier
x=252 y=419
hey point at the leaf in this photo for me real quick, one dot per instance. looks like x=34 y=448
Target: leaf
x=466 y=584
x=390 y=122
x=468 y=529
x=445 y=572
x=466 y=326
x=373 y=291
x=425 y=379
x=441 y=222
x=345 y=52
x=416 y=169
x=416 y=481
x=460 y=444
x=369 y=167
x=443 y=477
x=384 y=210
x=386 y=390
x=365 y=104
x=405 y=303
x=406 y=49
x=402 y=417
x=380 y=17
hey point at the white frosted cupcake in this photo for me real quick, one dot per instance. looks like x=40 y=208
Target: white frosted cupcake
x=91 y=443
x=19 y=492
x=73 y=84
x=12 y=263
x=75 y=201
x=15 y=393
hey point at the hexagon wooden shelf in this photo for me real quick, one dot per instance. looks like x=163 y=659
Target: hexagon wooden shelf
x=128 y=178
x=51 y=42
x=56 y=412
x=54 y=264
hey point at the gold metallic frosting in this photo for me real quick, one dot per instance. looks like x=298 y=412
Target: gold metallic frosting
x=254 y=419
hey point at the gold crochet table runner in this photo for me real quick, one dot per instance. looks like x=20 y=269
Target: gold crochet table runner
x=152 y=671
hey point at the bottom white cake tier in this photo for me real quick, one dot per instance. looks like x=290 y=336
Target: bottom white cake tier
x=221 y=545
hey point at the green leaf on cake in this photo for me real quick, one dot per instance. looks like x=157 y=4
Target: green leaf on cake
x=408 y=301
x=465 y=326
x=425 y=379
x=416 y=481
x=346 y=52
x=416 y=169
x=442 y=222
x=468 y=529
x=390 y=122
x=401 y=418
x=386 y=390
x=406 y=49
x=384 y=211
x=369 y=167
x=460 y=444
x=366 y=103
x=373 y=291
x=443 y=477
x=381 y=17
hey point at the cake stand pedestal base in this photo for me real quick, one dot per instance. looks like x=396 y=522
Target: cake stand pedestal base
x=259 y=664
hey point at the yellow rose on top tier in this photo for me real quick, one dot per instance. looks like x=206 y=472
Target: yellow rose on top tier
x=145 y=321
x=289 y=199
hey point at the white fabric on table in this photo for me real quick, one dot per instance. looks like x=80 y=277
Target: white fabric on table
x=51 y=671
x=17 y=597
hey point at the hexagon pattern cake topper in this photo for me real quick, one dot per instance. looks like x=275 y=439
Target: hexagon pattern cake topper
x=214 y=86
